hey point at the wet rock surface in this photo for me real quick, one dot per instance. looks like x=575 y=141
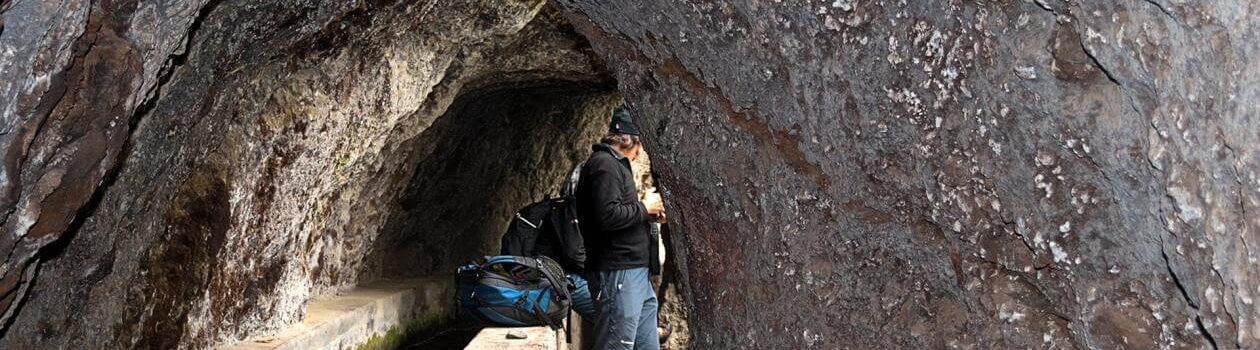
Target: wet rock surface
x=926 y=174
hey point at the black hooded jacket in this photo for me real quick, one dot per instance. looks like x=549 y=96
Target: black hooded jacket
x=614 y=221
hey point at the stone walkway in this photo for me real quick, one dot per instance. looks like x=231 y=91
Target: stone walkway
x=537 y=338
x=373 y=312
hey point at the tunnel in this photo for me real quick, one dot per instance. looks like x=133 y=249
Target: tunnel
x=492 y=153
x=873 y=174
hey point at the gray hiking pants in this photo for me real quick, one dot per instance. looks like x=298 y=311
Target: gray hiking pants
x=627 y=310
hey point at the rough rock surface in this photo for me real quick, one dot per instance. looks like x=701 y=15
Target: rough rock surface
x=938 y=174
x=185 y=173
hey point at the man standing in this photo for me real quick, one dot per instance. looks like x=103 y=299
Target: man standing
x=615 y=228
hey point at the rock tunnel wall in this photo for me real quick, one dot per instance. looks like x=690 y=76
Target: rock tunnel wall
x=851 y=173
x=178 y=174
x=940 y=174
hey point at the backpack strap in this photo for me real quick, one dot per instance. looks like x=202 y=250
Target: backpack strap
x=570 y=184
x=556 y=278
x=542 y=316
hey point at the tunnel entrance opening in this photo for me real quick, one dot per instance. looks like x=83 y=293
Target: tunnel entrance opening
x=494 y=150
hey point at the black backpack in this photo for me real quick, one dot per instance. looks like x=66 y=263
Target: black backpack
x=549 y=228
x=523 y=231
x=561 y=238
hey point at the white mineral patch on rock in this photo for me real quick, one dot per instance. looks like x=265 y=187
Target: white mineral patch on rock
x=1026 y=72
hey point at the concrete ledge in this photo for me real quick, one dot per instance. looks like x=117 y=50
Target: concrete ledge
x=537 y=338
x=350 y=319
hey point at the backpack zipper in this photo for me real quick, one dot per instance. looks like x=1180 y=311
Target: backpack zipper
x=518 y=216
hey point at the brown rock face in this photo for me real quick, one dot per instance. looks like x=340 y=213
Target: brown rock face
x=839 y=174
x=928 y=174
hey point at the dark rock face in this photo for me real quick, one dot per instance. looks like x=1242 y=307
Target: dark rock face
x=927 y=174
x=178 y=174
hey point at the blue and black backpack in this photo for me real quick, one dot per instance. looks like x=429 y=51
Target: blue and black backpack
x=514 y=291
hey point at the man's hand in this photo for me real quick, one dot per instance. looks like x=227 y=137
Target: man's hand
x=654 y=204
